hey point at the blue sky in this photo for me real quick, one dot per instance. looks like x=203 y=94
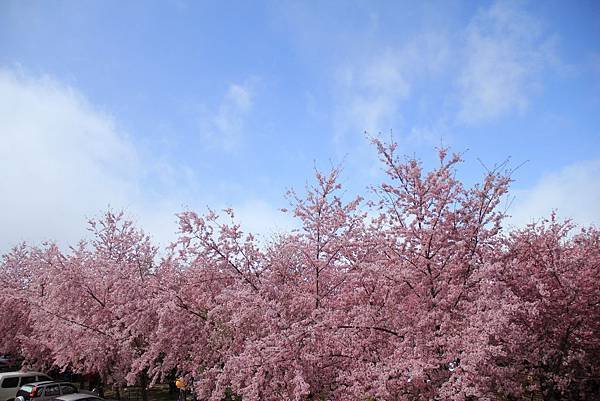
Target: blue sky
x=154 y=107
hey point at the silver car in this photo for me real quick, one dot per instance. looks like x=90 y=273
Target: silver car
x=11 y=382
x=45 y=391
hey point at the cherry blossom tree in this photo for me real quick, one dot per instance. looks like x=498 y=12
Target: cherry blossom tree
x=212 y=268
x=553 y=336
x=17 y=274
x=256 y=322
x=435 y=241
x=99 y=297
x=295 y=354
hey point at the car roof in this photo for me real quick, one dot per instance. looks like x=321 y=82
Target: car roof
x=20 y=373
x=76 y=396
x=42 y=383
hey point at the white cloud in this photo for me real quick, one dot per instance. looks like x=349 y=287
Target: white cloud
x=430 y=135
x=574 y=192
x=60 y=161
x=504 y=52
x=224 y=126
x=369 y=94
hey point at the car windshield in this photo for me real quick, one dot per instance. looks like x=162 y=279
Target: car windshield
x=26 y=388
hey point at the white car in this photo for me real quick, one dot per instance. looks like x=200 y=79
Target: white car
x=11 y=382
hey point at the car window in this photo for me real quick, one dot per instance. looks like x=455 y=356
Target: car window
x=67 y=389
x=52 y=391
x=10 y=382
x=25 y=391
x=28 y=379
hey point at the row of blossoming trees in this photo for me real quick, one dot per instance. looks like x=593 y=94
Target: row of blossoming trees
x=425 y=296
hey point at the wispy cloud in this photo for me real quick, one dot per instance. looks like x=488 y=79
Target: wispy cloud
x=488 y=70
x=224 y=126
x=573 y=191
x=370 y=93
x=505 y=50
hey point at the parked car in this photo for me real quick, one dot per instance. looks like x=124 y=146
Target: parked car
x=7 y=362
x=45 y=391
x=11 y=382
